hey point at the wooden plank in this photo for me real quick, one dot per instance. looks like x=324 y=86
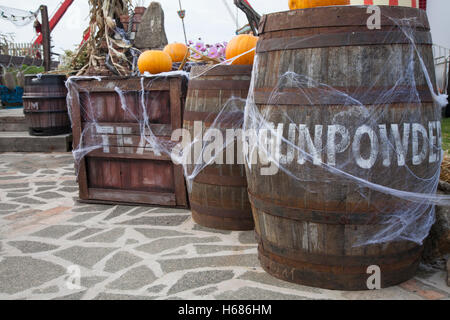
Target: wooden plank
x=114 y=154
x=124 y=84
x=156 y=198
x=180 y=186
x=77 y=134
x=132 y=128
x=46 y=37
x=177 y=122
x=123 y=142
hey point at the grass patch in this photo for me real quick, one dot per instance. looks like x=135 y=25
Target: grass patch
x=446 y=134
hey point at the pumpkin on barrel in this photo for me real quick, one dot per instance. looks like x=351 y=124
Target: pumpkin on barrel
x=154 y=62
x=238 y=46
x=304 y=4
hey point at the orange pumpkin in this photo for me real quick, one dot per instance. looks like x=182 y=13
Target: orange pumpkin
x=239 y=45
x=177 y=51
x=303 y=4
x=154 y=62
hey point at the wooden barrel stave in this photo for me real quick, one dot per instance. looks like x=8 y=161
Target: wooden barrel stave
x=308 y=227
x=45 y=105
x=219 y=197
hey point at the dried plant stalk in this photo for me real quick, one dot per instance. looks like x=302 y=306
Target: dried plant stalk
x=104 y=15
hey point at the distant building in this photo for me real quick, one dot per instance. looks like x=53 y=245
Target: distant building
x=439 y=16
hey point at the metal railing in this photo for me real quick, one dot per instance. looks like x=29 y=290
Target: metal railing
x=21 y=50
x=442 y=65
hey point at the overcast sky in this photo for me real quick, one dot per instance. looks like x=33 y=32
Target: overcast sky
x=207 y=19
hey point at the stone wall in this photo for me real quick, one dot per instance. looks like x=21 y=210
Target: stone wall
x=151 y=33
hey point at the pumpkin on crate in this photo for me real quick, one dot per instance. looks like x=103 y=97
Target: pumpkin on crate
x=240 y=45
x=304 y=4
x=177 y=51
x=154 y=62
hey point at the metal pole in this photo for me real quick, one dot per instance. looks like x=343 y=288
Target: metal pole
x=46 y=37
x=182 y=21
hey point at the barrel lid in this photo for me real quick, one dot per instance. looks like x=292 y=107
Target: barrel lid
x=48 y=79
x=221 y=70
x=341 y=16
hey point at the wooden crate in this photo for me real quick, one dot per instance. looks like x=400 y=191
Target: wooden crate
x=123 y=168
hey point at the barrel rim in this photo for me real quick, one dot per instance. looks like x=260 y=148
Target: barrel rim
x=120 y=78
x=222 y=70
x=45 y=79
x=45 y=76
x=338 y=16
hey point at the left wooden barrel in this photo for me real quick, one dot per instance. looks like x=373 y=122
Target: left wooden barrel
x=44 y=105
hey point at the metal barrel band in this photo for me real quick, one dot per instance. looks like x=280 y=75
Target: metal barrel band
x=342 y=40
x=227 y=120
x=315 y=216
x=340 y=96
x=28 y=111
x=25 y=97
x=389 y=261
x=334 y=279
x=219 y=85
x=223 y=223
x=234 y=70
x=220 y=211
x=221 y=180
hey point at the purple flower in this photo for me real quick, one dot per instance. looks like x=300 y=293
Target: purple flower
x=199 y=46
x=216 y=51
x=213 y=52
x=222 y=51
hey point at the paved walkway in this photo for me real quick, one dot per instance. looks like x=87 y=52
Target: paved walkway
x=121 y=252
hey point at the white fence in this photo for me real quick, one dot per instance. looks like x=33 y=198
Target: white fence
x=442 y=66
x=21 y=50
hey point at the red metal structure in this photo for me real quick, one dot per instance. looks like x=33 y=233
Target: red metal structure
x=86 y=36
x=423 y=4
x=56 y=18
x=252 y=16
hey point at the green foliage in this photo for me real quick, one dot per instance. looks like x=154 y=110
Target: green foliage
x=446 y=134
x=25 y=69
x=74 y=60
x=31 y=69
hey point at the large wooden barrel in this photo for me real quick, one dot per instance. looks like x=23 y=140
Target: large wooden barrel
x=45 y=107
x=310 y=219
x=218 y=197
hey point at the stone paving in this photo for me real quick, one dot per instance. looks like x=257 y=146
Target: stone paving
x=48 y=239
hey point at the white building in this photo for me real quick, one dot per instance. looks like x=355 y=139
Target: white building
x=439 y=17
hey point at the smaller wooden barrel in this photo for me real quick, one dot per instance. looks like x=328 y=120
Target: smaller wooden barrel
x=45 y=107
x=219 y=196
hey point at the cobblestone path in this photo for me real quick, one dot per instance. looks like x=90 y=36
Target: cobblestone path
x=47 y=239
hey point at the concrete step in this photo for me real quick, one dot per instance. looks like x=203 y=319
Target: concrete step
x=12 y=120
x=24 y=142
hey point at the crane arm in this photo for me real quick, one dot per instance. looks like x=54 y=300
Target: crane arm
x=56 y=18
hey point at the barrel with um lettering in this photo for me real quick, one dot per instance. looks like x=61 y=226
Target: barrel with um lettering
x=346 y=89
x=44 y=105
